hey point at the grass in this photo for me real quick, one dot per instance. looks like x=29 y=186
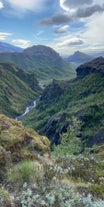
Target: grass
x=25 y=171
x=16 y=92
x=81 y=98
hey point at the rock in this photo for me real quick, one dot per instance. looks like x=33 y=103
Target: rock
x=50 y=94
x=97 y=139
x=53 y=129
x=95 y=66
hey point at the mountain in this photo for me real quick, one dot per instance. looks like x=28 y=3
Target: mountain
x=70 y=174
x=97 y=54
x=79 y=58
x=43 y=61
x=94 y=66
x=82 y=97
x=5 y=47
x=17 y=89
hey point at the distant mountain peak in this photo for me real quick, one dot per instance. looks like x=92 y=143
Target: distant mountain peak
x=6 y=47
x=44 y=61
x=40 y=49
x=79 y=58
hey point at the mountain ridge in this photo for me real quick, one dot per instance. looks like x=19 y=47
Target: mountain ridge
x=45 y=62
x=6 y=47
x=79 y=58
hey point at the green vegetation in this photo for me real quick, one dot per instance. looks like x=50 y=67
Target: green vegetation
x=43 y=61
x=17 y=89
x=25 y=171
x=70 y=143
x=82 y=98
x=31 y=175
x=72 y=173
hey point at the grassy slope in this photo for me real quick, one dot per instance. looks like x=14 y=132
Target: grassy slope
x=30 y=177
x=15 y=92
x=83 y=98
x=45 y=67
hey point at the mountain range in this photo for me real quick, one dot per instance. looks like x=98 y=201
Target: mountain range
x=5 y=47
x=42 y=60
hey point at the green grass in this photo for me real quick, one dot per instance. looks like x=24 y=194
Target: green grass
x=25 y=171
x=46 y=66
x=82 y=98
x=15 y=92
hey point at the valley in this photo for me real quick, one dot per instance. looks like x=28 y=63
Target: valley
x=17 y=89
x=45 y=62
x=52 y=135
x=82 y=97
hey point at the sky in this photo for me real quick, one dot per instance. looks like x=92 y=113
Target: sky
x=65 y=25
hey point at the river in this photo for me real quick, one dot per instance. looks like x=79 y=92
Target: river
x=31 y=106
x=28 y=108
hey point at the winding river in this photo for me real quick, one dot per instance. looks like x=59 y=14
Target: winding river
x=28 y=109
x=31 y=106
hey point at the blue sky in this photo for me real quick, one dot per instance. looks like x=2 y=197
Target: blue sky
x=64 y=25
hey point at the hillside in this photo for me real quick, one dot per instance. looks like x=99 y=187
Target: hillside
x=70 y=174
x=82 y=97
x=44 y=61
x=5 y=47
x=31 y=175
x=94 y=66
x=79 y=58
x=17 y=89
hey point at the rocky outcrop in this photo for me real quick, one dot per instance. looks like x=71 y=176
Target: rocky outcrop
x=15 y=137
x=97 y=139
x=95 y=66
x=53 y=128
x=18 y=143
x=50 y=94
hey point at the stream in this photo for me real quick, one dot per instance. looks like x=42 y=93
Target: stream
x=31 y=106
x=28 y=109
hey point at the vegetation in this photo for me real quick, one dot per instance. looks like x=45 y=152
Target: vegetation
x=82 y=98
x=67 y=178
x=72 y=173
x=43 y=61
x=17 y=89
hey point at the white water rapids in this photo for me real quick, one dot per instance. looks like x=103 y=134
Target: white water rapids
x=31 y=106
x=28 y=109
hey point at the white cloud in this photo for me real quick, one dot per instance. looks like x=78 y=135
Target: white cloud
x=1 y=5
x=91 y=14
x=94 y=32
x=62 y=29
x=83 y=6
x=70 y=42
x=74 y=4
x=21 y=43
x=4 y=35
x=26 y=5
x=68 y=4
